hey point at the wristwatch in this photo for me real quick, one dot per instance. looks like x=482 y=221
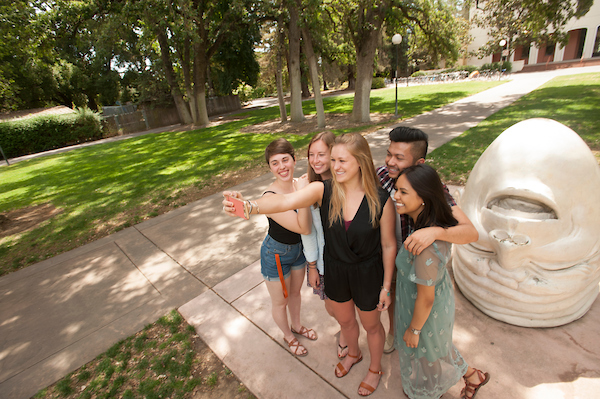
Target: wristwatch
x=415 y=331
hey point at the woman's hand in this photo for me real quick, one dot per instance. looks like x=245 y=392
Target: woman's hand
x=313 y=277
x=411 y=340
x=421 y=239
x=384 y=300
x=228 y=207
x=302 y=182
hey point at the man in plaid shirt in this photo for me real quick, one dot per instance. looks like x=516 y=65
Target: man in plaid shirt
x=408 y=146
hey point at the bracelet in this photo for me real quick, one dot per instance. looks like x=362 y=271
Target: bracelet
x=247 y=209
x=255 y=204
x=312 y=267
x=386 y=290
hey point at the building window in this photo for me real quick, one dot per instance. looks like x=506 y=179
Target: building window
x=596 y=52
x=574 y=48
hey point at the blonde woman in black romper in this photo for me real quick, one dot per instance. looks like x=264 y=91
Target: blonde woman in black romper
x=360 y=246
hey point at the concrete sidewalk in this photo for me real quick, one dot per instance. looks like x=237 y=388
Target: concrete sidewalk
x=63 y=312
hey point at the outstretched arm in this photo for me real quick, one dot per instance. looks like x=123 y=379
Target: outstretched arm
x=463 y=233
x=304 y=215
x=276 y=203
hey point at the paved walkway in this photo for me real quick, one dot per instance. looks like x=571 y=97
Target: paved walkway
x=61 y=313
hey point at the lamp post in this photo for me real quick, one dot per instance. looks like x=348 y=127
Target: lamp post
x=502 y=44
x=396 y=40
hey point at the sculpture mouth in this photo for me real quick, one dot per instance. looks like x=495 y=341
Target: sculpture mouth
x=521 y=207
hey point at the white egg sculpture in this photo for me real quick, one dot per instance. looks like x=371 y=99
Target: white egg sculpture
x=534 y=197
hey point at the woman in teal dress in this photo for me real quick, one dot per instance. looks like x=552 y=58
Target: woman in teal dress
x=429 y=362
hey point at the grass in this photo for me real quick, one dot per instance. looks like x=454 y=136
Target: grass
x=139 y=368
x=571 y=100
x=104 y=188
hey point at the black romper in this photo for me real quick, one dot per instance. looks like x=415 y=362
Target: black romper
x=353 y=259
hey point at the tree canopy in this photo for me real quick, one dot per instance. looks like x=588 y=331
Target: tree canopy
x=99 y=52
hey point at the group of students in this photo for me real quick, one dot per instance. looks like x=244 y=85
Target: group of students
x=374 y=240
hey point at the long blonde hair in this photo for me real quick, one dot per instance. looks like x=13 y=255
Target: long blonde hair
x=328 y=138
x=358 y=147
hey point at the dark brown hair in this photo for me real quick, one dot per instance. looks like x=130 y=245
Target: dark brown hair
x=279 y=146
x=427 y=184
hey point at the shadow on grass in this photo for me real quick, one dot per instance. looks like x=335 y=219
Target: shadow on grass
x=94 y=185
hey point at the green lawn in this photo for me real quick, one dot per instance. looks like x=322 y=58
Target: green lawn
x=107 y=187
x=571 y=100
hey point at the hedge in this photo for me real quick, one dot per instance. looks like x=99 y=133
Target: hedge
x=378 y=83
x=43 y=133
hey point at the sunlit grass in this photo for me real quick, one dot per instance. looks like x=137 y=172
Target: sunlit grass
x=571 y=100
x=107 y=187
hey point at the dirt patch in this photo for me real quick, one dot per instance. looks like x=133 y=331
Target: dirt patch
x=24 y=219
x=30 y=113
x=332 y=121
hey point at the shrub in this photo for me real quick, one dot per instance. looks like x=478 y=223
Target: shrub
x=29 y=136
x=468 y=68
x=378 y=83
x=507 y=66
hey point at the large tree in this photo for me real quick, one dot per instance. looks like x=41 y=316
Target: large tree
x=26 y=57
x=191 y=34
x=365 y=22
x=522 y=22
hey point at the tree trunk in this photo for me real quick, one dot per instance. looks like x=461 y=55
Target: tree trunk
x=187 y=78
x=182 y=109
x=296 y=112
x=351 y=78
x=314 y=75
x=304 y=81
x=200 y=63
x=279 y=79
x=365 y=56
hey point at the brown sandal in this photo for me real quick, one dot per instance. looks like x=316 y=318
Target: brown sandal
x=473 y=388
x=305 y=332
x=341 y=368
x=295 y=347
x=367 y=386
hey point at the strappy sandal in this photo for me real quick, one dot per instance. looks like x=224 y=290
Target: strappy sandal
x=367 y=386
x=341 y=350
x=473 y=388
x=305 y=332
x=295 y=347
x=340 y=368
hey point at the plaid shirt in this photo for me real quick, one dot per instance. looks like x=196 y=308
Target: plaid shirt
x=388 y=184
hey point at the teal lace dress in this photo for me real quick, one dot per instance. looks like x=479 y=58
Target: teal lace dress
x=429 y=370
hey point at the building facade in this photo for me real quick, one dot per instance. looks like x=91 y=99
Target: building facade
x=583 y=47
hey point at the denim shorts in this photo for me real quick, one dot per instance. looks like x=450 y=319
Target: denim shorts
x=290 y=255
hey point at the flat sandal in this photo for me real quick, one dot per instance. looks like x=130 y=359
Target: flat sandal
x=473 y=388
x=341 y=368
x=368 y=387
